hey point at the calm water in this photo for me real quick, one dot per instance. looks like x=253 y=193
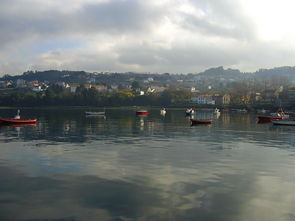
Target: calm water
x=124 y=167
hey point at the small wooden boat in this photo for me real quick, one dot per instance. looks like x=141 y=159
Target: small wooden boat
x=95 y=113
x=284 y=122
x=142 y=112
x=16 y=120
x=199 y=121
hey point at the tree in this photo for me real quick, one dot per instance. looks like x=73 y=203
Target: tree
x=135 y=85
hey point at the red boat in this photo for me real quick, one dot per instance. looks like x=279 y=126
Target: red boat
x=17 y=120
x=142 y=112
x=267 y=119
x=14 y=121
x=195 y=121
x=273 y=116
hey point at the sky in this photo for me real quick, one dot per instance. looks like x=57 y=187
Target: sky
x=155 y=36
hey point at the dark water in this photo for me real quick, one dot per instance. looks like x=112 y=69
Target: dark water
x=123 y=167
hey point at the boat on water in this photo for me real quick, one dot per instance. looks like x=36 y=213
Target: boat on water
x=142 y=112
x=93 y=113
x=189 y=111
x=284 y=122
x=242 y=110
x=163 y=111
x=199 y=121
x=267 y=119
x=17 y=120
x=280 y=115
x=216 y=111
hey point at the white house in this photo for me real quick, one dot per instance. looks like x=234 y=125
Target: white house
x=203 y=99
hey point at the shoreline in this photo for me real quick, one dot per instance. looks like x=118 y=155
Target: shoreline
x=203 y=107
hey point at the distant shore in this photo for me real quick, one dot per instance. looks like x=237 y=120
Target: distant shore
x=175 y=107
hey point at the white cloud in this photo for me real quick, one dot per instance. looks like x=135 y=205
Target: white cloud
x=155 y=36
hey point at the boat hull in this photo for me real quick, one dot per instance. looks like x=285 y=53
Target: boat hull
x=196 y=122
x=267 y=119
x=142 y=113
x=12 y=121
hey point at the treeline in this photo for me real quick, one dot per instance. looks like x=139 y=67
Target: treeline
x=58 y=96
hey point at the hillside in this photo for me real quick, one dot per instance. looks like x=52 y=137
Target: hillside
x=212 y=74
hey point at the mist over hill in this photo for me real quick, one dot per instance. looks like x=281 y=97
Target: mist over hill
x=216 y=73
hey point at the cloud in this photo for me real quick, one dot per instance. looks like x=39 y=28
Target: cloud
x=133 y=35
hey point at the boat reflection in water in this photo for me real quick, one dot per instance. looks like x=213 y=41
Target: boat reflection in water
x=130 y=167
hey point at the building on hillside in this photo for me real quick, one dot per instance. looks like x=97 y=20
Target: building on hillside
x=34 y=84
x=62 y=84
x=212 y=99
x=194 y=90
x=148 y=80
x=6 y=84
x=88 y=86
x=203 y=99
x=21 y=83
x=226 y=99
x=73 y=87
x=155 y=89
x=100 y=88
x=257 y=97
x=36 y=88
x=269 y=96
x=289 y=96
x=114 y=87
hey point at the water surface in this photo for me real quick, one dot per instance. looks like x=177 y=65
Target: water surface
x=70 y=167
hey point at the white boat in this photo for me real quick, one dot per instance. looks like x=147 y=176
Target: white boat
x=242 y=110
x=216 y=111
x=163 y=111
x=94 y=113
x=284 y=122
x=189 y=111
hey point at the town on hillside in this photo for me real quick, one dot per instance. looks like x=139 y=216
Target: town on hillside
x=213 y=87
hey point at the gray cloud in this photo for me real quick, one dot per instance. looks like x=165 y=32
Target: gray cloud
x=133 y=35
x=221 y=18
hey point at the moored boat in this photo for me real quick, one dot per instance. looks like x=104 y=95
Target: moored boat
x=216 y=111
x=5 y=120
x=267 y=119
x=189 y=111
x=284 y=122
x=199 y=121
x=142 y=112
x=280 y=115
x=16 y=120
x=94 y=113
x=163 y=111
